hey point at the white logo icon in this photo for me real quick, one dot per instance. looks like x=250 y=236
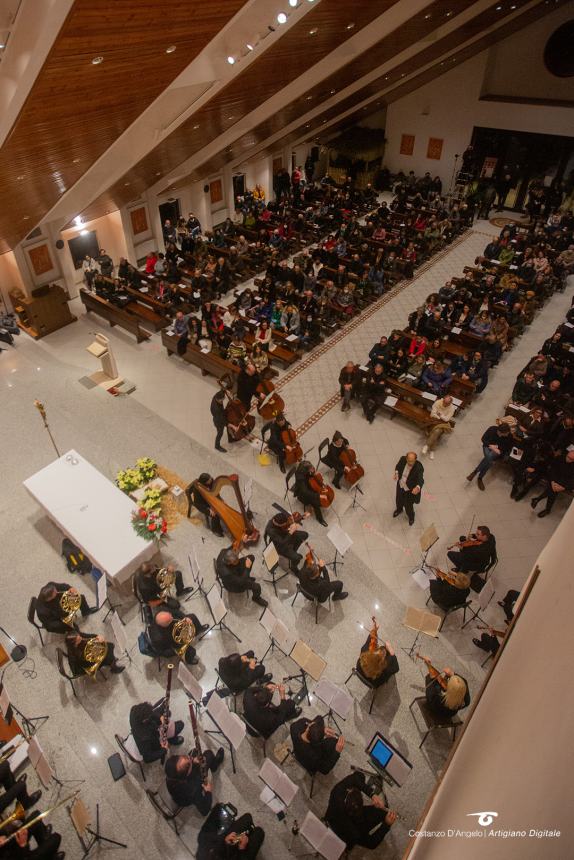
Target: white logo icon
x=484 y=818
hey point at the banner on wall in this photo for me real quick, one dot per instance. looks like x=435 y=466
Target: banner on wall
x=407 y=144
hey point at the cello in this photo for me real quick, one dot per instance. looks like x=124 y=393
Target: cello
x=353 y=469
x=317 y=483
x=293 y=450
x=239 y=422
x=272 y=403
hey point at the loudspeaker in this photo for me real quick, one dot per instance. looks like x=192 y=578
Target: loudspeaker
x=60 y=244
x=206 y=189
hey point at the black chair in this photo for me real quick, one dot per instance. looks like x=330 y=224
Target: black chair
x=290 y=480
x=222 y=586
x=167 y=813
x=273 y=571
x=432 y=722
x=314 y=600
x=448 y=610
x=142 y=604
x=60 y=655
x=253 y=733
x=367 y=683
x=323 y=447
x=220 y=683
x=265 y=433
x=32 y=619
x=312 y=773
x=129 y=748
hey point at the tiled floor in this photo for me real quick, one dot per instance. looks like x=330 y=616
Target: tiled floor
x=113 y=432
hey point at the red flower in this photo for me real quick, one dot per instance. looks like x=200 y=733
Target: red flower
x=152 y=527
x=163 y=527
x=143 y=513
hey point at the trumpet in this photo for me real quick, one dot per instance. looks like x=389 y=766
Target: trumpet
x=70 y=602
x=95 y=652
x=183 y=634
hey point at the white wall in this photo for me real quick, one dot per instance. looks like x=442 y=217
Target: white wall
x=449 y=108
x=10 y=277
x=111 y=238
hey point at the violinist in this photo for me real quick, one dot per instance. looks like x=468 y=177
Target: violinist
x=489 y=641
x=475 y=552
x=247 y=381
x=281 y=442
x=234 y=573
x=314 y=580
x=449 y=589
x=287 y=535
x=212 y=519
x=303 y=490
x=377 y=662
x=446 y=693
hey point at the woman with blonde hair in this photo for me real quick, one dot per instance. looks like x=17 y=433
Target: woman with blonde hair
x=376 y=662
x=446 y=694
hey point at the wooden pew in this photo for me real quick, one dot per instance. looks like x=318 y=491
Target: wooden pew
x=114 y=315
x=210 y=363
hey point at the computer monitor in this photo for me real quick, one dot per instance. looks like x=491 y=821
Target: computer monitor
x=386 y=759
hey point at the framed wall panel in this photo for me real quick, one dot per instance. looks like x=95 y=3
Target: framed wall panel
x=407 y=144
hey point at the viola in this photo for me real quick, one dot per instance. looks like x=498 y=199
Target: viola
x=289 y=439
x=353 y=469
x=272 y=405
x=326 y=492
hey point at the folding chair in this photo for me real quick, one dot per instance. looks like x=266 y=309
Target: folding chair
x=129 y=748
x=142 y=604
x=323 y=446
x=62 y=670
x=432 y=722
x=290 y=480
x=164 y=810
x=367 y=683
x=314 y=600
x=32 y=619
x=448 y=610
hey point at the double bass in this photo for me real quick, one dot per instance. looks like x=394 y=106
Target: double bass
x=239 y=422
x=272 y=403
x=353 y=469
x=327 y=493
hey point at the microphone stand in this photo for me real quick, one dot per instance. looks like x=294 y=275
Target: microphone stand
x=18 y=651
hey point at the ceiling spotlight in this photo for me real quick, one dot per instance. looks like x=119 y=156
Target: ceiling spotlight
x=78 y=220
x=26 y=218
x=231 y=60
x=20 y=177
x=427 y=16
x=333 y=92
x=195 y=127
x=171 y=49
x=281 y=18
x=75 y=161
x=84 y=232
x=126 y=184
x=97 y=60
x=293 y=3
x=249 y=47
x=350 y=26
x=2 y=46
x=313 y=32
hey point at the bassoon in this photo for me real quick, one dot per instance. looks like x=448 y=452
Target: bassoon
x=198 y=751
x=164 y=725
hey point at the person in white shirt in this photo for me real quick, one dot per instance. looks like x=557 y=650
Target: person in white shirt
x=90 y=269
x=443 y=410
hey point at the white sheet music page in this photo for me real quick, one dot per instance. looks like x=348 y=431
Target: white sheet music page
x=189 y=683
x=268 y=621
x=313 y=830
x=216 y=604
x=331 y=846
x=283 y=637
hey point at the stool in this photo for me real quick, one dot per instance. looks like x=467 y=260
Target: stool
x=432 y=722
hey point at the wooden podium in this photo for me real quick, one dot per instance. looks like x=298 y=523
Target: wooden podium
x=45 y=311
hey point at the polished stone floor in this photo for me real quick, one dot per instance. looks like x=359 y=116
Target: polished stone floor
x=167 y=418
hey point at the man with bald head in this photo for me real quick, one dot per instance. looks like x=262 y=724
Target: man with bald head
x=409 y=477
x=161 y=633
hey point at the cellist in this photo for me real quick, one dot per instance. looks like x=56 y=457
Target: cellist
x=343 y=460
x=314 y=579
x=305 y=492
x=278 y=436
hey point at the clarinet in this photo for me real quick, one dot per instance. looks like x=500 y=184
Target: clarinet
x=198 y=750
x=164 y=725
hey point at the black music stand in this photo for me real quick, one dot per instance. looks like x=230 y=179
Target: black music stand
x=96 y=837
x=218 y=612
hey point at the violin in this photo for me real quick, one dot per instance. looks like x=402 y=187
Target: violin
x=327 y=493
x=311 y=557
x=470 y=540
x=294 y=517
x=272 y=403
x=289 y=439
x=434 y=672
x=458 y=580
x=353 y=469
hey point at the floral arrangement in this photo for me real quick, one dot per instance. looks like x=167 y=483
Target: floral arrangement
x=151 y=500
x=144 y=470
x=149 y=525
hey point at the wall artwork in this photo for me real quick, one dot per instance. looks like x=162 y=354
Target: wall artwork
x=216 y=191
x=40 y=259
x=434 y=149
x=138 y=218
x=407 y=144
x=277 y=164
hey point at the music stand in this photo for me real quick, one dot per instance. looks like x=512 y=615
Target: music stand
x=321 y=838
x=342 y=543
x=228 y=725
x=279 y=790
x=196 y=576
x=190 y=684
x=44 y=770
x=218 y=611
x=8 y=709
x=81 y=819
x=102 y=593
x=271 y=559
x=421 y=621
x=426 y=542
x=310 y=664
x=18 y=652
x=338 y=701
x=279 y=634
x=484 y=597
x=356 y=489
x=120 y=636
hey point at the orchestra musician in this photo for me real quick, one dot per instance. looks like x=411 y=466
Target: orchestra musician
x=377 y=663
x=212 y=519
x=446 y=693
x=187 y=778
x=145 y=722
x=76 y=651
x=353 y=820
x=262 y=715
x=49 y=610
x=240 y=671
x=15 y=789
x=409 y=473
x=247 y=381
x=149 y=587
x=489 y=641
x=348 y=381
x=305 y=493
x=277 y=443
x=234 y=572
x=332 y=458
x=316 y=746
x=222 y=839
x=285 y=531
x=161 y=634
x=473 y=552
x=314 y=579
x=449 y=589
x=19 y=848
x=217 y=410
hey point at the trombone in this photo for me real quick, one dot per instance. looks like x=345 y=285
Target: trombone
x=39 y=817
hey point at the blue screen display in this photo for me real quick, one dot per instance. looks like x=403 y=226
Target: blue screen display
x=381 y=753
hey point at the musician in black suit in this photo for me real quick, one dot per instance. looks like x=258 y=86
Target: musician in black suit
x=287 y=535
x=217 y=410
x=76 y=650
x=377 y=664
x=314 y=579
x=477 y=552
x=446 y=703
x=276 y=443
x=303 y=492
x=409 y=475
x=223 y=839
x=145 y=722
x=185 y=782
x=234 y=572
x=48 y=608
x=333 y=457
x=149 y=589
x=260 y=712
x=47 y=841
x=446 y=594
x=240 y=671
x=196 y=499
x=353 y=820
x=315 y=746
x=161 y=634
x=15 y=789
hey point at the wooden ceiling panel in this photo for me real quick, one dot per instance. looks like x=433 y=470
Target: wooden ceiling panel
x=76 y=110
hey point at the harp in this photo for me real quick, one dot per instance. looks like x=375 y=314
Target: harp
x=239 y=522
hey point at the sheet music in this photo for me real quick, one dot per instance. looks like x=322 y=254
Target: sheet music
x=340 y=539
x=455 y=330
x=268 y=621
x=420 y=620
x=233 y=728
x=35 y=751
x=331 y=846
x=270 y=556
x=217 y=708
x=119 y=633
x=4 y=701
x=44 y=771
x=193 y=563
x=283 y=637
x=308 y=660
x=271 y=800
x=422 y=578
x=278 y=781
x=391 y=400
x=429 y=395
x=190 y=684
x=216 y=604
x=313 y=830
x=339 y=700
x=102 y=590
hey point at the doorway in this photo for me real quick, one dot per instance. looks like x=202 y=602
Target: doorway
x=169 y=211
